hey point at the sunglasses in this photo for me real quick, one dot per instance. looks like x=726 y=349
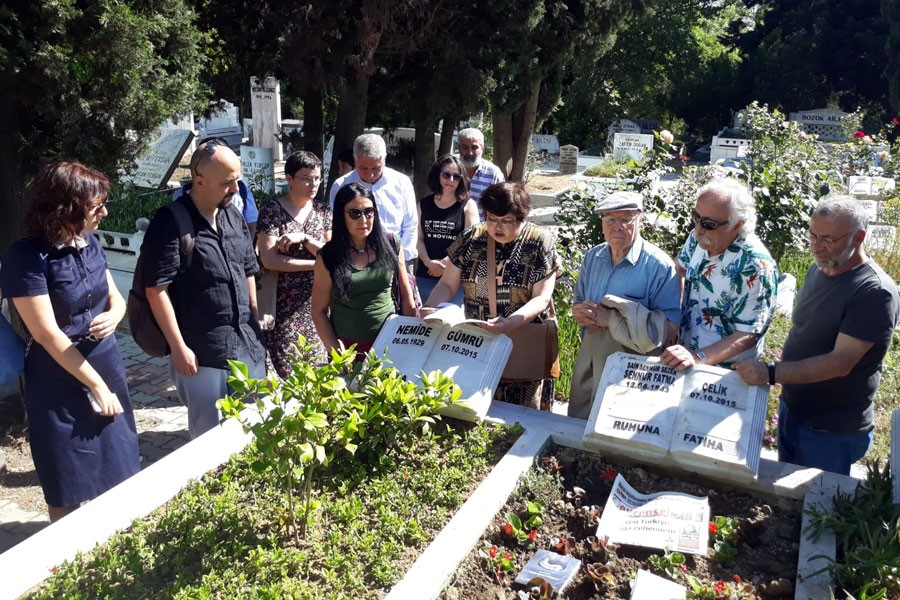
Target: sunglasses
x=707 y=224
x=451 y=176
x=205 y=150
x=356 y=213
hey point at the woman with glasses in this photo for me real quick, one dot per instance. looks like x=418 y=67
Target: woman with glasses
x=443 y=215
x=527 y=265
x=81 y=426
x=354 y=275
x=292 y=229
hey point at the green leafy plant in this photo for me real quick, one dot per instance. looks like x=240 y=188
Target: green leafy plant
x=497 y=560
x=725 y=532
x=524 y=529
x=867 y=525
x=718 y=590
x=671 y=563
x=127 y=203
x=303 y=422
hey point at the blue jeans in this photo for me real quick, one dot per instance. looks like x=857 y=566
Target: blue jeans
x=802 y=445
x=426 y=285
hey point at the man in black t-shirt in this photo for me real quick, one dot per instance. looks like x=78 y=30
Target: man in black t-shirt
x=843 y=320
x=206 y=308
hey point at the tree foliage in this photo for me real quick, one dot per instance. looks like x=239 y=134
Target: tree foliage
x=89 y=81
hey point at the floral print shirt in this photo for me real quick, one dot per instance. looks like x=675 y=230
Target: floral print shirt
x=733 y=291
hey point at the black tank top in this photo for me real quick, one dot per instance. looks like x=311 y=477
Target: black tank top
x=440 y=226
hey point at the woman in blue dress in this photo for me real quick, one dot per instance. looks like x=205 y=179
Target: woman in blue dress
x=80 y=422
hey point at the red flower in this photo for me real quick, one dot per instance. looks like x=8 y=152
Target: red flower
x=737 y=578
x=719 y=587
x=405 y=475
x=492 y=551
x=859 y=134
x=683 y=567
x=507 y=555
x=532 y=535
x=608 y=474
x=895 y=121
x=713 y=528
x=507 y=528
x=53 y=569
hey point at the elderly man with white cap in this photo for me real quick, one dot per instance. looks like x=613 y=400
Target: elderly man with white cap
x=626 y=297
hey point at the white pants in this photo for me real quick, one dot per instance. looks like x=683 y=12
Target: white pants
x=201 y=391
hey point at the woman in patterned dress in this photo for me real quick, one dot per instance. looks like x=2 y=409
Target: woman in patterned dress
x=527 y=267
x=290 y=232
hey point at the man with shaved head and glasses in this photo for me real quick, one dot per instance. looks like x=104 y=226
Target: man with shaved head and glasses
x=843 y=320
x=206 y=304
x=730 y=281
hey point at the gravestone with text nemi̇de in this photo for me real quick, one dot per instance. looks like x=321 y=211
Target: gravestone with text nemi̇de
x=705 y=419
x=155 y=167
x=265 y=105
x=568 y=159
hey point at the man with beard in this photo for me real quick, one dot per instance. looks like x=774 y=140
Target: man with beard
x=482 y=172
x=843 y=320
x=205 y=303
x=730 y=281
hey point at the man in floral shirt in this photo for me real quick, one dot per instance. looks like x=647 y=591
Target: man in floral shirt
x=730 y=281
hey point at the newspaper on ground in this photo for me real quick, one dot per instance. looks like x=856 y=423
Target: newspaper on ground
x=664 y=520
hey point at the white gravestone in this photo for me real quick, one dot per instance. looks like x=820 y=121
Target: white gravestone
x=881 y=237
x=869 y=187
x=705 y=419
x=258 y=168
x=545 y=143
x=155 y=167
x=265 y=106
x=622 y=126
x=823 y=122
x=871 y=208
x=185 y=121
x=631 y=146
x=223 y=124
x=568 y=159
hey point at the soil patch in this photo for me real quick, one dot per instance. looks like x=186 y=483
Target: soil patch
x=767 y=539
x=19 y=482
x=548 y=182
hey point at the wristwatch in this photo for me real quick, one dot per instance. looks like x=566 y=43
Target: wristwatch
x=701 y=357
x=771 y=367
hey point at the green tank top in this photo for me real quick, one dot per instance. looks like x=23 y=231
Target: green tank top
x=361 y=316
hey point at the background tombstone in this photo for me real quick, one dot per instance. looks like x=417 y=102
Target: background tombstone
x=621 y=126
x=869 y=187
x=185 y=121
x=823 y=122
x=545 y=143
x=265 y=106
x=631 y=145
x=881 y=237
x=223 y=123
x=568 y=159
x=258 y=168
x=648 y=126
x=291 y=130
x=155 y=167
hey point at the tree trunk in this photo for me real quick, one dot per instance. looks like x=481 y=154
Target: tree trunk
x=503 y=142
x=523 y=121
x=12 y=187
x=424 y=153
x=449 y=126
x=313 y=121
x=351 y=120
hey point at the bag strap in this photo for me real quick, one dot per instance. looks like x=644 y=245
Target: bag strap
x=186 y=233
x=492 y=276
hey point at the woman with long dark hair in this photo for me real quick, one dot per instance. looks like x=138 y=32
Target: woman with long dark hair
x=291 y=231
x=81 y=426
x=443 y=215
x=354 y=274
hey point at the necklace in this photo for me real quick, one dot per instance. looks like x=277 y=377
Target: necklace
x=362 y=250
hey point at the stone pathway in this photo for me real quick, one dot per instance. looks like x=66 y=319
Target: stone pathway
x=161 y=423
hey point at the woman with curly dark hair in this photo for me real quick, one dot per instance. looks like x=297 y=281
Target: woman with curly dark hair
x=81 y=426
x=354 y=273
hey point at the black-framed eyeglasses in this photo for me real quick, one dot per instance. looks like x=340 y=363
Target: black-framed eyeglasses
x=93 y=210
x=451 y=176
x=706 y=223
x=356 y=213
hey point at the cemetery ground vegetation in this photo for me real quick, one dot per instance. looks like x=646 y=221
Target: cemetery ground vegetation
x=568 y=489
x=374 y=488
